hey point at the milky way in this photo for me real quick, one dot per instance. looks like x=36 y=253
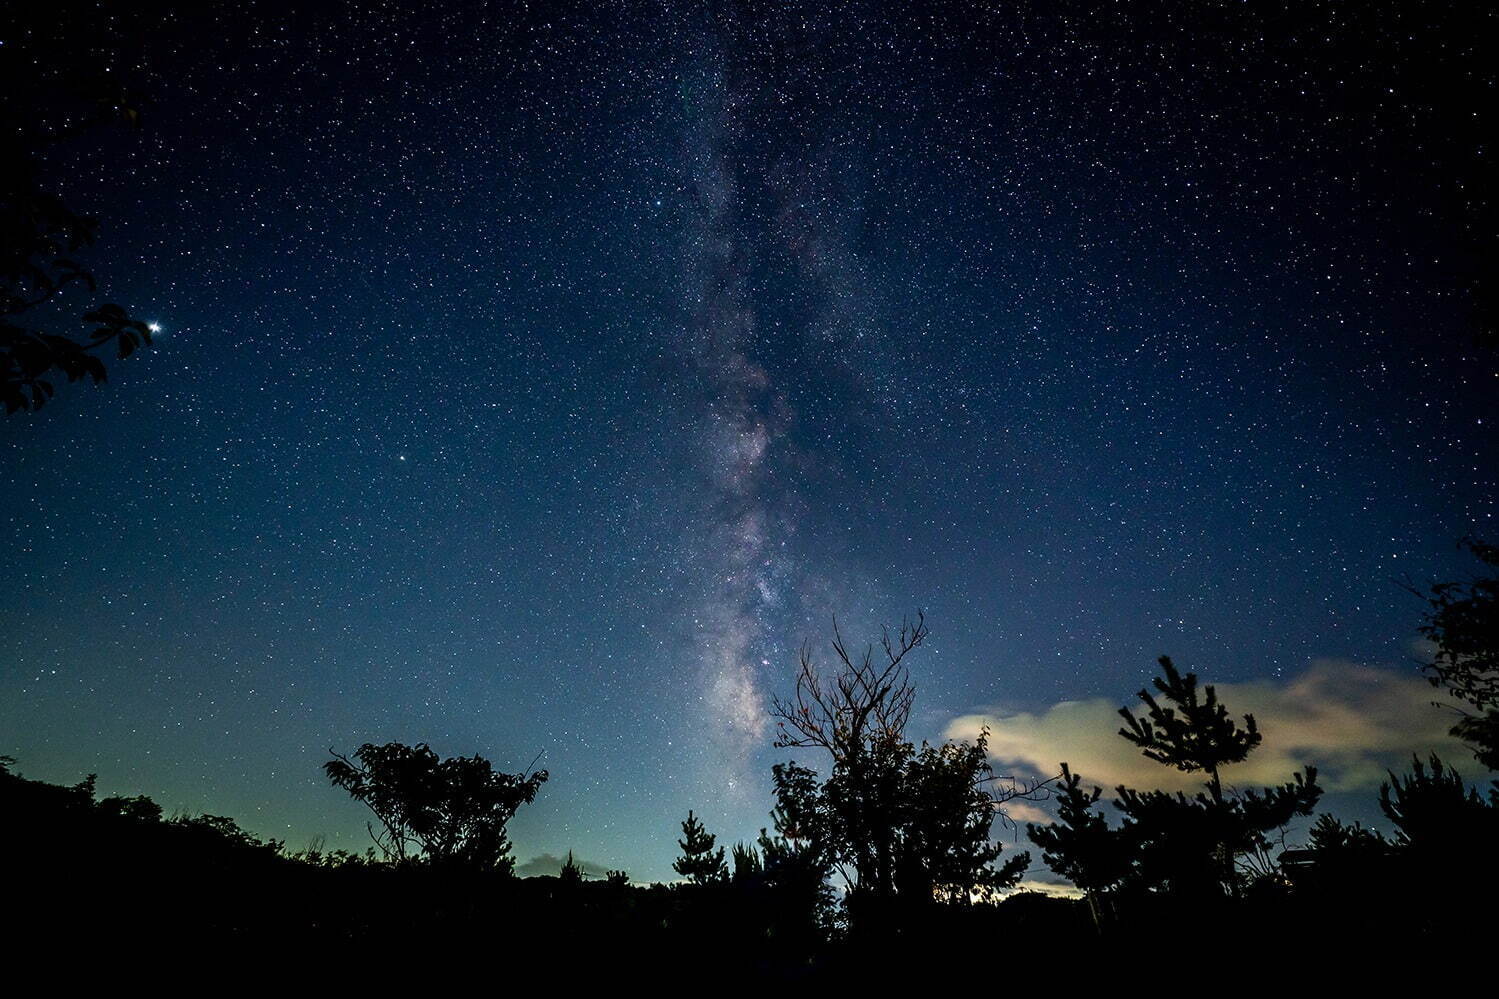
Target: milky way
x=761 y=202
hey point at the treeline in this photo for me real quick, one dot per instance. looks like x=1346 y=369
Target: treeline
x=879 y=859
x=116 y=882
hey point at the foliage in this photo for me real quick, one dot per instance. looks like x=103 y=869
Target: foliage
x=1189 y=844
x=1175 y=843
x=795 y=874
x=57 y=81
x=1436 y=814
x=699 y=863
x=449 y=812
x=895 y=820
x=798 y=858
x=1349 y=860
x=1329 y=836
x=137 y=808
x=571 y=873
x=1081 y=846
x=1194 y=735
x=1462 y=621
x=946 y=817
x=748 y=865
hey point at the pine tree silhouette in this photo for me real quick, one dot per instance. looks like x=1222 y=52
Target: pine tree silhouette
x=1082 y=847
x=1190 y=844
x=1196 y=735
x=700 y=863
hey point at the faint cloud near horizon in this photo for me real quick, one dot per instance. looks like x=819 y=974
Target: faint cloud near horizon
x=1353 y=723
x=550 y=865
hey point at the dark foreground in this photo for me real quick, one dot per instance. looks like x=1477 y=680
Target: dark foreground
x=109 y=882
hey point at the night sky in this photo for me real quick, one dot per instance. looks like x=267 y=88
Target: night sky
x=535 y=380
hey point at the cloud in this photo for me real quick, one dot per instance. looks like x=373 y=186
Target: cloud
x=550 y=865
x=1351 y=722
x=1052 y=888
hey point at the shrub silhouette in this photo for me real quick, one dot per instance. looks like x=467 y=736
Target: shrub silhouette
x=1462 y=621
x=449 y=812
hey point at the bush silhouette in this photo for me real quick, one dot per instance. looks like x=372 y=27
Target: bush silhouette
x=449 y=812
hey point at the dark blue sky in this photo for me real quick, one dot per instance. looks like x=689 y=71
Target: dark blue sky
x=536 y=381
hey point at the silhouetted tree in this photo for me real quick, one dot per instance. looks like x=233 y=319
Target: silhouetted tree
x=138 y=808
x=58 y=77
x=894 y=820
x=1189 y=844
x=858 y=716
x=1437 y=816
x=1462 y=621
x=449 y=812
x=1444 y=866
x=570 y=874
x=1082 y=847
x=800 y=856
x=1195 y=734
x=1347 y=860
x=795 y=869
x=700 y=863
x=747 y=865
x=948 y=810
x=1329 y=835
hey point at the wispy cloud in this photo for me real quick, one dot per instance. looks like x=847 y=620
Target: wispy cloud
x=1352 y=722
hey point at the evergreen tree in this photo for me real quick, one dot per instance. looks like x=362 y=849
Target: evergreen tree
x=1189 y=845
x=571 y=874
x=1082 y=847
x=1443 y=853
x=1438 y=817
x=748 y=867
x=1195 y=735
x=1347 y=861
x=700 y=862
x=796 y=877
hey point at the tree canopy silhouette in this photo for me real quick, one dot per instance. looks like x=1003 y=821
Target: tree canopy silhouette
x=1082 y=847
x=700 y=863
x=1196 y=735
x=449 y=812
x=1438 y=818
x=1462 y=621
x=1175 y=835
x=1172 y=842
x=56 y=80
x=895 y=820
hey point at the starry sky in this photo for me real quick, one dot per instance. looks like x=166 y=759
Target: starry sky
x=534 y=379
